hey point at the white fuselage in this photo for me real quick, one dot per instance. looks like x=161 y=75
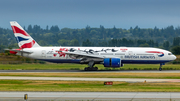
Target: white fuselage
x=139 y=55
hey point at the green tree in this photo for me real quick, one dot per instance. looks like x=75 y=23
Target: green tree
x=42 y=43
x=30 y=30
x=63 y=42
x=151 y=43
x=87 y=43
x=144 y=45
x=88 y=29
x=74 y=42
x=176 y=41
x=2 y=48
x=176 y=50
x=47 y=28
x=166 y=45
x=54 y=29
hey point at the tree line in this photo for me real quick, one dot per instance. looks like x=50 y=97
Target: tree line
x=165 y=38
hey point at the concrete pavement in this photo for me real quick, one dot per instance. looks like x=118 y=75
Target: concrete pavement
x=87 y=79
x=91 y=96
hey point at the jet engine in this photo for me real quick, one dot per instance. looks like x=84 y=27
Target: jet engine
x=112 y=62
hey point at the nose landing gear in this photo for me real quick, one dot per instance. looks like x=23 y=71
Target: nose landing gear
x=160 y=68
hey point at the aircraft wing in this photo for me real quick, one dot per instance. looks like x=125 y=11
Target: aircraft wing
x=79 y=54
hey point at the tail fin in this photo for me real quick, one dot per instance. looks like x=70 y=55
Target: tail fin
x=23 y=38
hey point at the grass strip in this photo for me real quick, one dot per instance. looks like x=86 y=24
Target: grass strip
x=52 y=66
x=87 y=86
x=100 y=75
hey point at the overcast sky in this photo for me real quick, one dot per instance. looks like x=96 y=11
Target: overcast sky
x=80 y=13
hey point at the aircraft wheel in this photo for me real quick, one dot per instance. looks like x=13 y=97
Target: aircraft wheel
x=160 y=69
x=96 y=68
x=93 y=69
x=86 y=69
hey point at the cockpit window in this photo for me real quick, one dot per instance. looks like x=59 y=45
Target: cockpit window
x=169 y=53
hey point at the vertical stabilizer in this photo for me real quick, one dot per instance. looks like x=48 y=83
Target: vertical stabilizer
x=23 y=38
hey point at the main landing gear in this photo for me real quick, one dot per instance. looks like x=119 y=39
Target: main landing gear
x=91 y=68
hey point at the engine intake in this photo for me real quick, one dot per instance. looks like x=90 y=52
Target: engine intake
x=112 y=62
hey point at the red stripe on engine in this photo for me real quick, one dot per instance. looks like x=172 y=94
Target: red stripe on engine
x=28 y=45
x=17 y=30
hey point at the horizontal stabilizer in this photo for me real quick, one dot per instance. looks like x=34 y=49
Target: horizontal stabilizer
x=18 y=50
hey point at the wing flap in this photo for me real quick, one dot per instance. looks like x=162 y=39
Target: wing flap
x=88 y=55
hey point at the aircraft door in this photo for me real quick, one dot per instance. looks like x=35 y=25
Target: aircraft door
x=43 y=54
x=157 y=57
x=130 y=53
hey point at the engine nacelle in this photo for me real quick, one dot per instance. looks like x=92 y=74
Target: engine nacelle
x=112 y=62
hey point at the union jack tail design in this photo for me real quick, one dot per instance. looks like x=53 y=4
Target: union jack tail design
x=23 y=38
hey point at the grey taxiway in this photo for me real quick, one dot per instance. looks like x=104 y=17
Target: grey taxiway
x=90 y=96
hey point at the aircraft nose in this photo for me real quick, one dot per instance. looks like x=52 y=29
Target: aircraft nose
x=174 y=57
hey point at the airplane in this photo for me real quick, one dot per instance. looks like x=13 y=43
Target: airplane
x=108 y=56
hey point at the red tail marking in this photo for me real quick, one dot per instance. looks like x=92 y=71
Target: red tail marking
x=28 y=45
x=17 y=30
